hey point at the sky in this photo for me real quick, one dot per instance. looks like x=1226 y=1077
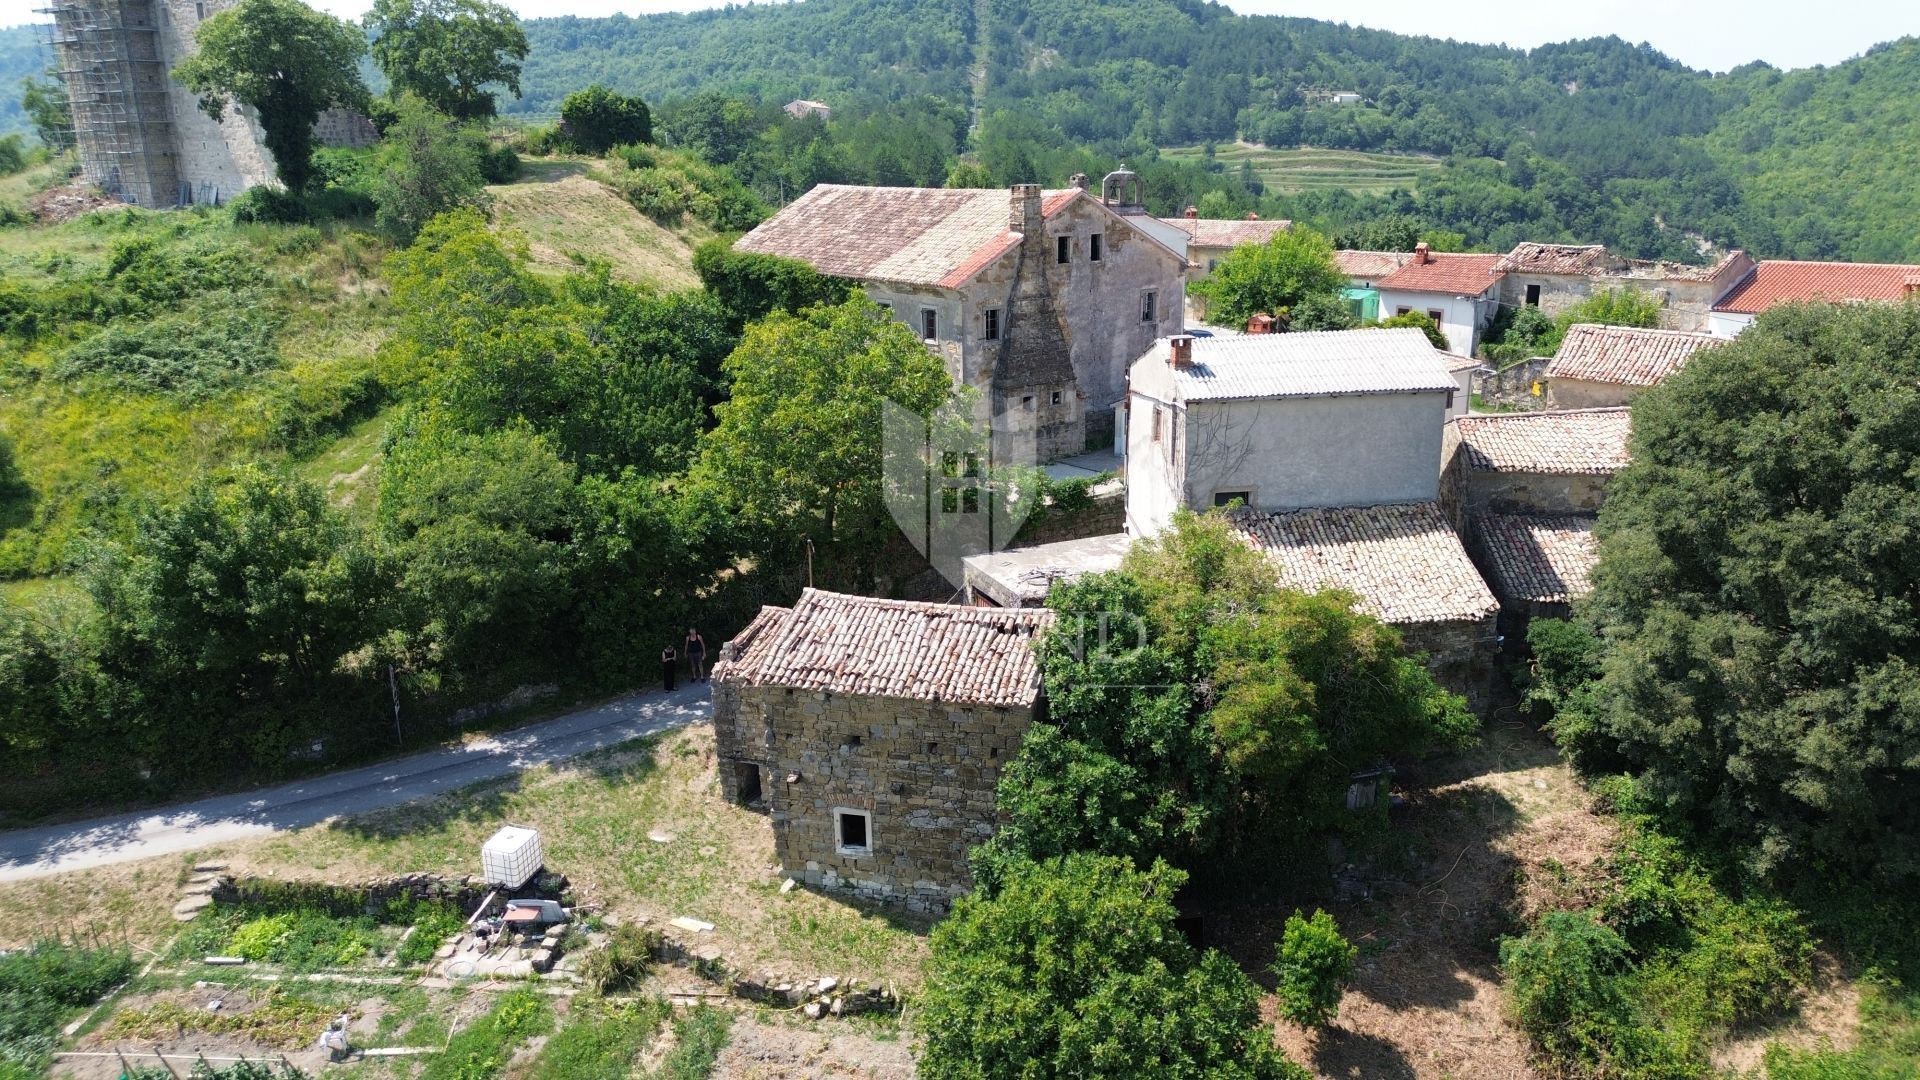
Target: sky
x=1711 y=34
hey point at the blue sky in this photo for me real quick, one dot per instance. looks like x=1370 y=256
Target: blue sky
x=1712 y=34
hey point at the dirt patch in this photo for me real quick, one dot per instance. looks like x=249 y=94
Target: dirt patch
x=765 y=1049
x=68 y=201
x=1828 y=1017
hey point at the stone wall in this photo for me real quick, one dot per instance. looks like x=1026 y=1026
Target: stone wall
x=1533 y=493
x=371 y=897
x=1105 y=515
x=1460 y=654
x=1513 y=386
x=924 y=771
x=1586 y=394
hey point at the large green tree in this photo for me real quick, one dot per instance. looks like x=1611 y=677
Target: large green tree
x=1273 y=277
x=428 y=165
x=1754 y=598
x=797 y=449
x=287 y=62
x=1197 y=711
x=1074 y=968
x=46 y=106
x=448 y=52
x=597 y=119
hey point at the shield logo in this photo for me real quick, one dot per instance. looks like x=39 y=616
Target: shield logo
x=958 y=483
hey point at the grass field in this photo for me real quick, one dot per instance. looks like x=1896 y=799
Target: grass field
x=1306 y=168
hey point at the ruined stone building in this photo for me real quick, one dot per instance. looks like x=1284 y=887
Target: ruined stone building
x=1039 y=299
x=1601 y=366
x=1524 y=489
x=1209 y=240
x=1556 y=276
x=141 y=136
x=874 y=731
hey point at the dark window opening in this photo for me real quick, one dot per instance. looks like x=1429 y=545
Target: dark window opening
x=853 y=831
x=993 y=324
x=929 y=324
x=1228 y=498
x=1093 y=248
x=932 y=747
x=1436 y=315
x=853 y=742
x=1402 y=310
x=1055 y=399
x=1533 y=296
x=747 y=775
x=1147 y=312
x=1063 y=249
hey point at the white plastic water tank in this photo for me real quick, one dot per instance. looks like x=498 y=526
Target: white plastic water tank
x=510 y=857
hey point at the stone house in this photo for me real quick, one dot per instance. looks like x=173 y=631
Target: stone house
x=1553 y=277
x=801 y=108
x=1284 y=421
x=1599 y=366
x=1455 y=291
x=1781 y=281
x=1211 y=239
x=1036 y=298
x=1406 y=566
x=875 y=731
x=1537 y=564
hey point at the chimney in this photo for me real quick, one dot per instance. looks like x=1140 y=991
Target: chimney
x=1193 y=211
x=1251 y=216
x=1024 y=215
x=1913 y=287
x=1260 y=324
x=1180 y=351
x=1079 y=180
x=1422 y=254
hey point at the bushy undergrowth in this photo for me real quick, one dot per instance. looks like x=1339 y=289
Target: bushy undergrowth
x=623 y=961
x=481 y=1051
x=669 y=186
x=218 y=343
x=432 y=924
x=700 y=1036
x=39 y=986
x=306 y=941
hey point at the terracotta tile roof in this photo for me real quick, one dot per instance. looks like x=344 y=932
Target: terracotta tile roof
x=748 y=648
x=1624 y=355
x=1547 y=559
x=1571 y=442
x=1370 y=265
x=1457 y=363
x=1458 y=275
x=1227 y=232
x=893 y=648
x=914 y=236
x=1779 y=281
x=1532 y=258
x=1317 y=363
x=1403 y=561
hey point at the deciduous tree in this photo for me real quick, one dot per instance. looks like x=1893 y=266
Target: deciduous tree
x=597 y=119
x=428 y=165
x=448 y=52
x=1270 y=277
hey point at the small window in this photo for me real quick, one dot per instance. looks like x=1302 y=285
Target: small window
x=1228 y=498
x=1063 y=249
x=853 y=829
x=1533 y=296
x=1436 y=315
x=1093 y=248
x=1156 y=423
x=1027 y=400
x=1055 y=400
x=1212 y=264
x=200 y=10
x=1401 y=310
x=993 y=324
x=884 y=305
x=929 y=323
x=1148 y=312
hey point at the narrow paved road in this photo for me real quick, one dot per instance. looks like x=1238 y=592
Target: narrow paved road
x=80 y=844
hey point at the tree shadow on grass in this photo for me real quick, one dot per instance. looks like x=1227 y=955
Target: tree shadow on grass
x=479 y=803
x=1339 y=1052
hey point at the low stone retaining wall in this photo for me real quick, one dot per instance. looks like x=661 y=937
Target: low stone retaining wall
x=372 y=897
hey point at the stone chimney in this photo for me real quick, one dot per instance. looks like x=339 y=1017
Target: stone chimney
x=1251 y=216
x=1422 y=254
x=1079 y=180
x=1260 y=324
x=1193 y=211
x=1180 y=351
x=1024 y=215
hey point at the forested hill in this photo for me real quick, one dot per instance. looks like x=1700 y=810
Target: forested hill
x=1589 y=140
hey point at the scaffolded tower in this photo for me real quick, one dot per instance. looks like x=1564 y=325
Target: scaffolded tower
x=110 y=58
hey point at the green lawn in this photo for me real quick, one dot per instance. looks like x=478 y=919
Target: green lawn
x=1307 y=168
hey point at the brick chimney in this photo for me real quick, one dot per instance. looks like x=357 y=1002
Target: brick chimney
x=1422 y=254
x=1913 y=287
x=1193 y=211
x=1260 y=324
x=1180 y=351
x=1024 y=215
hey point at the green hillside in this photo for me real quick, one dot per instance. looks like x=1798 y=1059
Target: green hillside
x=1308 y=168
x=23 y=52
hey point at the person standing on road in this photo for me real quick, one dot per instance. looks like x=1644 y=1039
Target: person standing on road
x=696 y=655
x=669 y=664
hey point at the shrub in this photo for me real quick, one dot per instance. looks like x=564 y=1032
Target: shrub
x=597 y=118
x=657 y=193
x=432 y=925
x=213 y=346
x=64 y=974
x=1565 y=983
x=499 y=164
x=1313 y=964
x=269 y=205
x=623 y=961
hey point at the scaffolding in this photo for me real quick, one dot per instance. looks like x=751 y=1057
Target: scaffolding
x=109 y=55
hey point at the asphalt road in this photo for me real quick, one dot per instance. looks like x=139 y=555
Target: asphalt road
x=77 y=845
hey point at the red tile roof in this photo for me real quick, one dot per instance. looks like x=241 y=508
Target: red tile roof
x=1593 y=260
x=1547 y=559
x=1572 y=442
x=914 y=236
x=1370 y=265
x=1404 y=562
x=1458 y=275
x=1624 y=355
x=891 y=648
x=1227 y=232
x=1780 y=281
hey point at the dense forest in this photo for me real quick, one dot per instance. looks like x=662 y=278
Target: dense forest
x=1596 y=140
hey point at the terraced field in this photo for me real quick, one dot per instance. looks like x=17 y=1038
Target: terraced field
x=1307 y=168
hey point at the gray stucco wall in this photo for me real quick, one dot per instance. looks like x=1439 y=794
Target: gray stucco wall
x=1354 y=450
x=925 y=771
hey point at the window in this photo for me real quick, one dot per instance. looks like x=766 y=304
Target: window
x=993 y=324
x=1533 y=296
x=1093 y=248
x=1147 y=310
x=1063 y=249
x=1156 y=423
x=929 y=323
x=1228 y=498
x=1212 y=264
x=959 y=483
x=853 y=831
x=1436 y=315
x=1055 y=400
x=1401 y=310
x=884 y=305
x=200 y=11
